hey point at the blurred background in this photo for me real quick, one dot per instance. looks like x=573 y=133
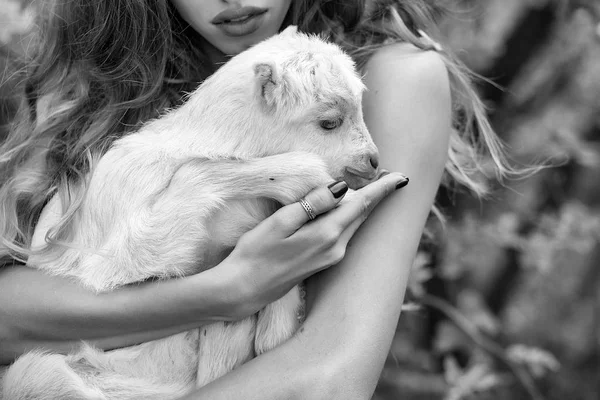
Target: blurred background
x=504 y=298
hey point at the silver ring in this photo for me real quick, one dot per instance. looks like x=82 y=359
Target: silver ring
x=308 y=208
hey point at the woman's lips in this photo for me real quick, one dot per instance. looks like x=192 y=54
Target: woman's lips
x=237 y=13
x=240 y=21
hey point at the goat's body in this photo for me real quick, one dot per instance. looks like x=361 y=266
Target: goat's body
x=173 y=199
x=191 y=214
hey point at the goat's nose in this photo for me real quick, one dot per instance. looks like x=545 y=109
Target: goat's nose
x=374 y=159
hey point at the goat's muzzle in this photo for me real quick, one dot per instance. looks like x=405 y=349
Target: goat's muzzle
x=364 y=172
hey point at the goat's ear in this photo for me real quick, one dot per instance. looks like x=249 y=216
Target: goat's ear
x=289 y=31
x=267 y=78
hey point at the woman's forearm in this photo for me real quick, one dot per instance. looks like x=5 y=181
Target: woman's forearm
x=39 y=310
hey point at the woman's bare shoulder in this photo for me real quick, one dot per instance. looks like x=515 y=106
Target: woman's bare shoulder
x=407 y=107
x=403 y=66
x=410 y=83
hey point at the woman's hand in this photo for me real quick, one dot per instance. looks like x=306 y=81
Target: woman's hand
x=288 y=247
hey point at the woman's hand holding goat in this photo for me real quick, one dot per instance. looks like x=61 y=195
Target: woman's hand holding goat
x=288 y=247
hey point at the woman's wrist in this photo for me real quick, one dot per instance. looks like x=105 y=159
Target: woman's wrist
x=234 y=291
x=214 y=295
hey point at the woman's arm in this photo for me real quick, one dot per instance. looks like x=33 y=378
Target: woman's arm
x=38 y=310
x=340 y=350
x=408 y=111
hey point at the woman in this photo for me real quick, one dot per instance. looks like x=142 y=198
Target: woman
x=103 y=68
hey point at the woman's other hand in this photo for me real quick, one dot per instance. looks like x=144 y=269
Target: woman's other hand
x=288 y=247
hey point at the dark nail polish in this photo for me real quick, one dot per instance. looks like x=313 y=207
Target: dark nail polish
x=338 y=189
x=402 y=183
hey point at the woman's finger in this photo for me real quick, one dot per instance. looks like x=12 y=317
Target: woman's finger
x=352 y=214
x=292 y=217
x=356 y=209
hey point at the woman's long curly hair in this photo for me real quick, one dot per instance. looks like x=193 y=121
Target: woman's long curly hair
x=103 y=68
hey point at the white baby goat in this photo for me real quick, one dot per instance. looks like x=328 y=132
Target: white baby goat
x=173 y=198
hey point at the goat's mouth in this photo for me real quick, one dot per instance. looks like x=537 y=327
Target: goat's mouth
x=369 y=174
x=356 y=179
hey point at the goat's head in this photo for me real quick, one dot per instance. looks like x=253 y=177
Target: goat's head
x=297 y=92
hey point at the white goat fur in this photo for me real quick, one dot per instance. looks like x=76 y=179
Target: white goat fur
x=173 y=198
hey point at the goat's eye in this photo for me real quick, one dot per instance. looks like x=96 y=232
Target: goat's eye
x=330 y=124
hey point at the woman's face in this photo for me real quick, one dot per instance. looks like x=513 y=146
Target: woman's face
x=235 y=25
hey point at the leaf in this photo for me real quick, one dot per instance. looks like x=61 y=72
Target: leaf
x=576 y=148
x=476 y=379
x=471 y=243
x=575 y=228
x=473 y=305
x=537 y=360
x=452 y=371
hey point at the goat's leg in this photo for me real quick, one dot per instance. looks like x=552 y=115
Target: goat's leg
x=223 y=346
x=278 y=321
x=45 y=376
x=158 y=370
x=282 y=177
x=169 y=234
x=176 y=229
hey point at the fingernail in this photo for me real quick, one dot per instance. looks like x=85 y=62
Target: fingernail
x=402 y=183
x=338 y=189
